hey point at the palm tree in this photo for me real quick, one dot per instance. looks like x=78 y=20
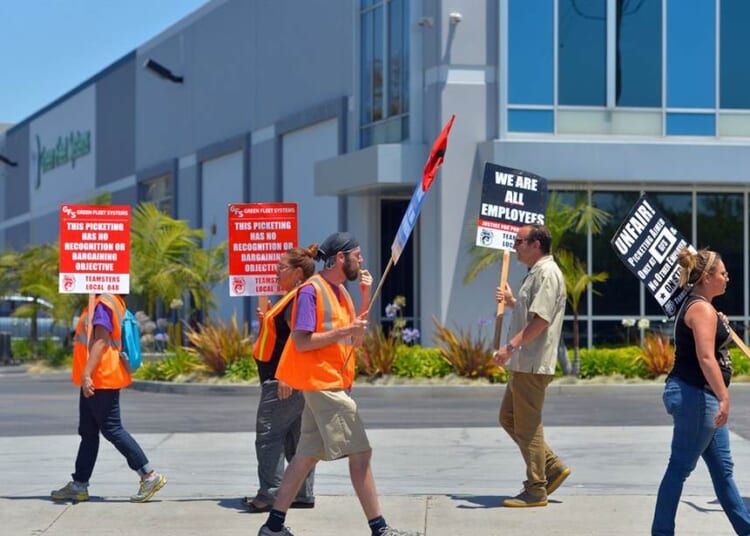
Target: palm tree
x=577 y=281
x=204 y=269
x=9 y=262
x=37 y=279
x=160 y=246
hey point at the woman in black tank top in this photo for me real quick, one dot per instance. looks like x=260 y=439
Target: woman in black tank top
x=697 y=397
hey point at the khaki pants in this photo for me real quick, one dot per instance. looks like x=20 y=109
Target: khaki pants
x=521 y=418
x=331 y=426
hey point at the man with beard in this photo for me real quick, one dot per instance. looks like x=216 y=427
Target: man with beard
x=318 y=360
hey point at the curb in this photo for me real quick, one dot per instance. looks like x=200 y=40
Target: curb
x=13 y=369
x=406 y=391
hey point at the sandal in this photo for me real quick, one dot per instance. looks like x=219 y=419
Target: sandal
x=253 y=508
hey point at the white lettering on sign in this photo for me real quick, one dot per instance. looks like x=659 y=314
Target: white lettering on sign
x=634 y=227
x=513 y=214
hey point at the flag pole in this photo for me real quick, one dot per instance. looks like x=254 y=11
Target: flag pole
x=374 y=297
x=369 y=307
x=89 y=320
x=434 y=160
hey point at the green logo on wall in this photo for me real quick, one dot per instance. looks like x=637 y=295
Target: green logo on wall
x=67 y=149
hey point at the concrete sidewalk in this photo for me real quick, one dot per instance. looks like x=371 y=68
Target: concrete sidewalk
x=624 y=515
x=440 y=482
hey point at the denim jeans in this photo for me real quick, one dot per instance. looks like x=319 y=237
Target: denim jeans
x=277 y=431
x=101 y=413
x=695 y=435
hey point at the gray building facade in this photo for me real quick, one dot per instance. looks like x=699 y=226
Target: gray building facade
x=333 y=104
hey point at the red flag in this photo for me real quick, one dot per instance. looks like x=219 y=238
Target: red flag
x=436 y=156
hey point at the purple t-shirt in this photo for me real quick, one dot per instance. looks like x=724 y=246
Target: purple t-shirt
x=307 y=318
x=102 y=317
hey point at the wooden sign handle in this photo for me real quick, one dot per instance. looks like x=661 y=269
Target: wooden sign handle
x=740 y=343
x=501 y=304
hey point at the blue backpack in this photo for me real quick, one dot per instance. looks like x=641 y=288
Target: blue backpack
x=130 y=332
x=131 y=341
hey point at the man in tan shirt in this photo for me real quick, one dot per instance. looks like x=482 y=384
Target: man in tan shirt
x=531 y=355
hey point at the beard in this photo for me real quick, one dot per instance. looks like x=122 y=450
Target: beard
x=351 y=269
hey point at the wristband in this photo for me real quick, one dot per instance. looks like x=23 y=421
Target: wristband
x=510 y=348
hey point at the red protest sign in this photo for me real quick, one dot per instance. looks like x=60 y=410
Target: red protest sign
x=258 y=234
x=94 y=249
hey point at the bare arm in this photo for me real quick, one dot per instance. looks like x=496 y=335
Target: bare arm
x=306 y=341
x=701 y=318
x=530 y=332
x=96 y=351
x=283 y=389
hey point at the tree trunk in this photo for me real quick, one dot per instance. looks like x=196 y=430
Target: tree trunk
x=576 y=346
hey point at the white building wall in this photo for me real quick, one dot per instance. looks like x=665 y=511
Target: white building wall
x=318 y=215
x=221 y=185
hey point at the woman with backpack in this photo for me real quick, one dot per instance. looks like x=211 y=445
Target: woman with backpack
x=101 y=373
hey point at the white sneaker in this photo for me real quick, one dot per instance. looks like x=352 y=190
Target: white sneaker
x=390 y=531
x=148 y=488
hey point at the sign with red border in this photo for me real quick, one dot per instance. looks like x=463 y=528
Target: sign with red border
x=94 y=249
x=258 y=234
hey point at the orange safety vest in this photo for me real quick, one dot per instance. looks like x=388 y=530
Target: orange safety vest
x=111 y=372
x=264 y=345
x=322 y=369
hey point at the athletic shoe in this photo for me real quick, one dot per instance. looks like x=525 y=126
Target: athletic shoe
x=265 y=531
x=390 y=531
x=72 y=491
x=525 y=500
x=555 y=479
x=148 y=488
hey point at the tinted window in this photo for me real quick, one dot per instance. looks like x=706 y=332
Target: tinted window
x=638 y=76
x=691 y=54
x=398 y=42
x=620 y=294
x=582 y=65
x=530 y=48
x=734 y=44
x=720 y=218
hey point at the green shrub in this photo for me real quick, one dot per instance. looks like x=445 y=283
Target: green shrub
x=416 y=361
x=377 y=354
x=149 y=370
x=47 y=349
x=469 y=355
x=21 y=349
x=59 y=357
x=242 y=369
x=219 y=344
x=181 y=363
x=610 y=361
x=379 y=351
x=740 y=363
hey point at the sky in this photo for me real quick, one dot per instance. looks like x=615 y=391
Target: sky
x=48 y=47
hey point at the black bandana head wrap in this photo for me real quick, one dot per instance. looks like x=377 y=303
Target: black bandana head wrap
x=335 y=243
